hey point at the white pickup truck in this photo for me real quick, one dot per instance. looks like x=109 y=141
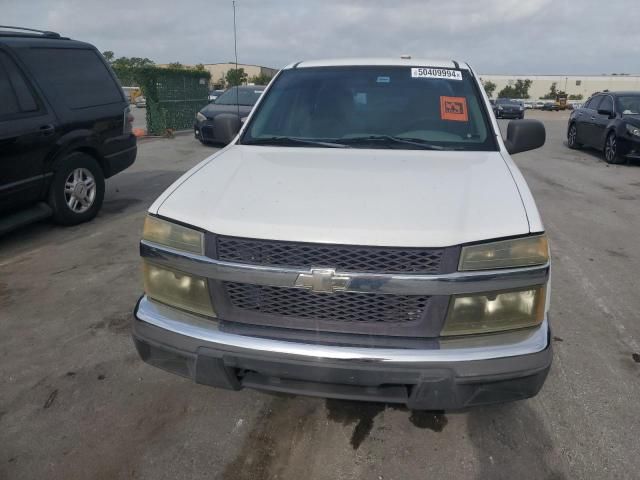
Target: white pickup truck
x=366 y=235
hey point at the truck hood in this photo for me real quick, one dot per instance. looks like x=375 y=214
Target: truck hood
x=354 y=196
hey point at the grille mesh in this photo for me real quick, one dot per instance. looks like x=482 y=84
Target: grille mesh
x=338 y=257
x=339 y=306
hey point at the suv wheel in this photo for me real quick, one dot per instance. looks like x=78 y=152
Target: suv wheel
x=611 y=149
x=77 y=189
x=572 y=135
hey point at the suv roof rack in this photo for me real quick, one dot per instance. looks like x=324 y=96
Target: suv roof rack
x=44 y=33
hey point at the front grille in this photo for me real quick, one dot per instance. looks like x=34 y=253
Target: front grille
x=339 y=307
x=339 y=257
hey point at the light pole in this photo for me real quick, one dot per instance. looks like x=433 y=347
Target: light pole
x=235 y=36
x=235 y=48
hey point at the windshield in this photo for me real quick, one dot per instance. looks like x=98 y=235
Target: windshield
x=372 y=107
x=508 y=101
x=629 y=104
x=245 y=96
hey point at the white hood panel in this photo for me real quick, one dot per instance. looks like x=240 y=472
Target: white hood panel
x=354 y=196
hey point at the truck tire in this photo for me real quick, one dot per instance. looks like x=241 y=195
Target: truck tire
x=77 y=189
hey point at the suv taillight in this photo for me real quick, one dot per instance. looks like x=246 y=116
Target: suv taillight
x=128 y=121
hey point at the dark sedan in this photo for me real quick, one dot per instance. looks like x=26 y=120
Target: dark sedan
x=610 y=122
x=218 y=122
x=508 y=108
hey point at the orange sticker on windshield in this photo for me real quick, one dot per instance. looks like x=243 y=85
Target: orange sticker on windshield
x=454 y=108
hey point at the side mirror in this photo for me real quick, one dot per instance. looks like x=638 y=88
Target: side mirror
x=606 y=112
x=226 y=126
x=523 y=135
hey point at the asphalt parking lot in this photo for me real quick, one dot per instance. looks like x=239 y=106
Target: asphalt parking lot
x=77 y=403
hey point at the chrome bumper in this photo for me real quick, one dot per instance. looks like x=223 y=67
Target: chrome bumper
x=455 y=374
x=206 y=331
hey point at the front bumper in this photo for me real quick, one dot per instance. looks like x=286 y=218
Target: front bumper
x=511 y=114
x=455 y=374
x=630 y=145
x=203 y=131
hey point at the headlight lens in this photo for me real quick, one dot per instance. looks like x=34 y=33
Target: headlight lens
x=172 y=235
x=200 y=117
x=177 y=289
x=495 y=312
x=519 y=252
x=633 y=130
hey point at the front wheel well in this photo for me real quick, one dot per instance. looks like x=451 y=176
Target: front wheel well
x=93 y=153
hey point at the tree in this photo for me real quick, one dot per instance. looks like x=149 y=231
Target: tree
x=489 y=87
x=522 y=88
x=519 y=90
x=175 y=65
x=236 y=77
x=507 y=92
x=133 y=62
x=108 y=56
x=262 y=79
x=579 y=96
x=553 y=92
x=199 y=67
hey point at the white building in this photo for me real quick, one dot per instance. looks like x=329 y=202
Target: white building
x=571 y=84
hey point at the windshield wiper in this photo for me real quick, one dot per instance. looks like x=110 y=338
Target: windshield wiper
x=418 y=142
x=293 y=141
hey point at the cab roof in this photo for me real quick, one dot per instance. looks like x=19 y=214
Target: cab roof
x=379 y=61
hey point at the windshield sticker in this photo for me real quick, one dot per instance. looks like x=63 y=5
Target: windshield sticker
x=443 y=73
x=383 y=80
x=454 y=108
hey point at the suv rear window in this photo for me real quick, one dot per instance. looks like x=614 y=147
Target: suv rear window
x=78 y=78
x=373 y=107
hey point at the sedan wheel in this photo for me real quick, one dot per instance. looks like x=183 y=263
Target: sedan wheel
x=611 y=154
x=572 y=135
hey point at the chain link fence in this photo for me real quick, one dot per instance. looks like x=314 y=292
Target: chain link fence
x=173 y=95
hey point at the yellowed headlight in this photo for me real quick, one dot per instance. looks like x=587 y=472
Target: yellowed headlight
x=172 y=235
x=495 y=312
x=518 y=252
x=177 y=289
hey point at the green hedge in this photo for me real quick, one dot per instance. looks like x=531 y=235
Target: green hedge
x=174 y=95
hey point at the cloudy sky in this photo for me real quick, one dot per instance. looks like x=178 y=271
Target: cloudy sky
x=495 y=36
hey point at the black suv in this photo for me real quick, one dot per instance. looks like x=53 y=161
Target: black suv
x=608 y=121
x=65 y=126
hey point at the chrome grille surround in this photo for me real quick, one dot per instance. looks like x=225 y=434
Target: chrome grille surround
x=431 y=293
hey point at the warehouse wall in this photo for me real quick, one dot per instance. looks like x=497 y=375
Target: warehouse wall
x=571 y=84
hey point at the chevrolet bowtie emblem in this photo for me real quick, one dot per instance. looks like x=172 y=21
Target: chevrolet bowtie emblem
x=323 y=280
